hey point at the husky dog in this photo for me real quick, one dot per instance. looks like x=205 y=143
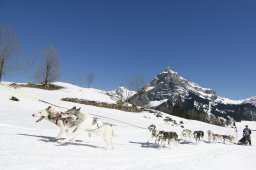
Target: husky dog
x=217 y=138
x=167 y=137
x=228 y=138
x=212 y=137
x=152 y=126
x=198 y=135
x=55 y=117
x=74 y=113
x=154 y=133
x=209 y=135
x=186 y=133
x=86 y=122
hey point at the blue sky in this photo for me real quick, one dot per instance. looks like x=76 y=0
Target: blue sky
x=212 y=43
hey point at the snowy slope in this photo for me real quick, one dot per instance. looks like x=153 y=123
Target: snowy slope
x=25 y=144
x=69 y=90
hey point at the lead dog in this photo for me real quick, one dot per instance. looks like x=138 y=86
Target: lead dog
x=153 y=133
x=86 y=122
x=55 y=117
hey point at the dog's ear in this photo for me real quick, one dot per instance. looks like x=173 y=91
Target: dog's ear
x=48 y=108
x=78 y=109
x=74 y=107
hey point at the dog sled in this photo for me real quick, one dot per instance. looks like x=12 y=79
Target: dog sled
x=243 y=141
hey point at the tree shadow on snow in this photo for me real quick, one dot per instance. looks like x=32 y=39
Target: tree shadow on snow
x=145 y=144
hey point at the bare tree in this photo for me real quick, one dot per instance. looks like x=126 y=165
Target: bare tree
x=8 y=47
x=90 y=79
x=135 y=83
x=50 y=68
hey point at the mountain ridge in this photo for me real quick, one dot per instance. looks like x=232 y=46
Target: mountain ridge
x=168 y=91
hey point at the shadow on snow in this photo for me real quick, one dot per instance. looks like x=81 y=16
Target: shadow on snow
x=53 y=139
x=145 y=144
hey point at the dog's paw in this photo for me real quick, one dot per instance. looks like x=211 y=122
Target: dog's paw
x=60 y=142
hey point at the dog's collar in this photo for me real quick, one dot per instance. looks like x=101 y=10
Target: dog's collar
x=98 y=127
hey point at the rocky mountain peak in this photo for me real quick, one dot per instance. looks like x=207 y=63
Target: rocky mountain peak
x=121 y=94
x=171 y=93
x=171 y=81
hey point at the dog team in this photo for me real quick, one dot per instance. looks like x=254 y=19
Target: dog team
x=162 y=137
x=73 y=122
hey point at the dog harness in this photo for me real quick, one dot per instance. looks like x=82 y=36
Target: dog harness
x=98 y=127
x=55 y=119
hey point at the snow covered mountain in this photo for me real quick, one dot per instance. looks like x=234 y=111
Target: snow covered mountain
x=121 y=94
x=171 y=93
x=251 y=101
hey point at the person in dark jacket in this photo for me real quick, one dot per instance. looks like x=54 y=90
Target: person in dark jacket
x=247 y=132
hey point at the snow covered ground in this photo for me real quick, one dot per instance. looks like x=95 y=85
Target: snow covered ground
x=27 y=145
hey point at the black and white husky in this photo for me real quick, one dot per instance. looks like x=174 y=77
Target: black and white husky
x=198 y=135
x=161 y=136
x=167 y=137
x=55 y=117
x=86 y=122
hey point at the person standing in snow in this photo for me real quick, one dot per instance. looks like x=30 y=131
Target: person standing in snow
x=247 y=133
